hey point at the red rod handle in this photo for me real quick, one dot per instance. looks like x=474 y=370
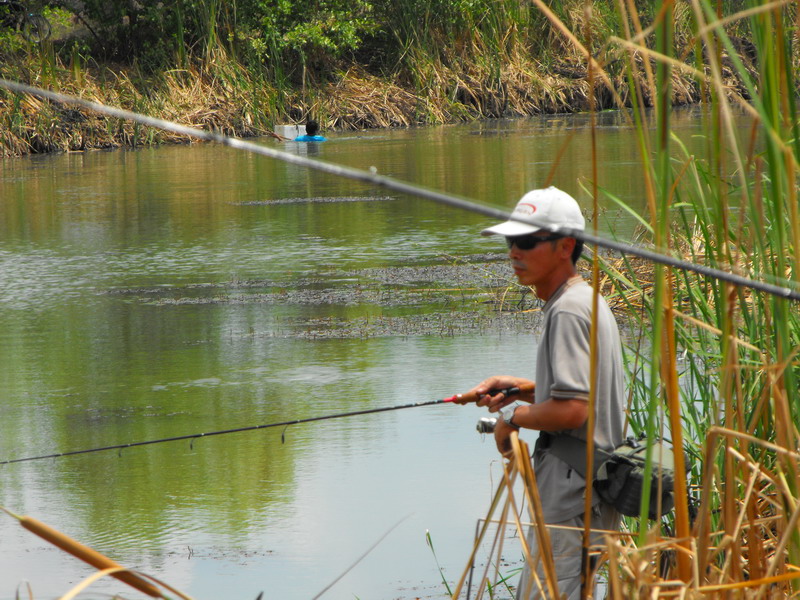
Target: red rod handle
x=474 y=397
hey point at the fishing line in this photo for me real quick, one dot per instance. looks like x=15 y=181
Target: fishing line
x=194 y=436
x=373 y=178
x=360 y=558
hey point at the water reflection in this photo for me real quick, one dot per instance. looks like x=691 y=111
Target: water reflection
x=177 y=290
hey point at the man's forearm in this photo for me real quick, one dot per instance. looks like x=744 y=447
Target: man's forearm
x=552 y=414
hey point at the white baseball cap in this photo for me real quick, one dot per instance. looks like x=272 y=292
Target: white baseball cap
x=548 y=208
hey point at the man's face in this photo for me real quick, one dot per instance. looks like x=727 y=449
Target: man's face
x=535 y=258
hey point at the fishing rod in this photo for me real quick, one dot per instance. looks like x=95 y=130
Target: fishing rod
x=372 y=177
x=456 y=399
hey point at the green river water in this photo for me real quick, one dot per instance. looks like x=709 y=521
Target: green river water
x=177 y=290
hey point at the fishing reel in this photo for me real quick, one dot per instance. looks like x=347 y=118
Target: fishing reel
x=486 y=424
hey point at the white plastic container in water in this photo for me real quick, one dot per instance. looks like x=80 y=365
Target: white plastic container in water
x=290 y=131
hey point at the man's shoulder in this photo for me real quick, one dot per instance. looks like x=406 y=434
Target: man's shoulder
x=577 y=293
x=578 y=299
x=580 y=291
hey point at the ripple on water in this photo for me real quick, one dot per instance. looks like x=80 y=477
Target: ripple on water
x=314 y=200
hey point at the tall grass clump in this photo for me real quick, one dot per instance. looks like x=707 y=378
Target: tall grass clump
x=713 y=367
x=219 y=95
x=721 y=378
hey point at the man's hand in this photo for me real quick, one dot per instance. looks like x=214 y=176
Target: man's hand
x=488 y=395
x=502 y=437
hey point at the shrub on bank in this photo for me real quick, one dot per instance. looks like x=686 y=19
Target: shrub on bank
x=241 y=67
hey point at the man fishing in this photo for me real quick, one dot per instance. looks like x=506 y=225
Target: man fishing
x=559 y=402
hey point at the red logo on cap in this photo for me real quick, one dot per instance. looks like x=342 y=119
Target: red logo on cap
x=533 y=206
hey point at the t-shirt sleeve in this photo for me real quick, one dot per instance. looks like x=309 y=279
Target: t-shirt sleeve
x=570 y=356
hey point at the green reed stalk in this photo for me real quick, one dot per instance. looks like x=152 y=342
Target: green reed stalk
x=668 y=367
x=736 y=208
x=180 y=38
x=429 y=542
x=660 y=220
x=776 y=213
x=211 y=28
x=778 y=92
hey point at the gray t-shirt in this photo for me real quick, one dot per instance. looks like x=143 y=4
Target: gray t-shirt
x=563 y=371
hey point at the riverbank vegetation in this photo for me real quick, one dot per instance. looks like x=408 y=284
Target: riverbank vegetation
x=715 y=370
x=242 y=67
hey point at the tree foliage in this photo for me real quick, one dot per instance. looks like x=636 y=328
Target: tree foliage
x=294 y=33
x=295 y=42
x=287 y=34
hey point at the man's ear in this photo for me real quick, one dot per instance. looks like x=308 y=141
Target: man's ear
x=568 y=245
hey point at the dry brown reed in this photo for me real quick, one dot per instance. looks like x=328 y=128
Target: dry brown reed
x=748 y=560
x=106 y=567
x=194 y=97
x=362 y=101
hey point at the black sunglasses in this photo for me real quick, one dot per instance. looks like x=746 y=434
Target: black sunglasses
x=528 y=242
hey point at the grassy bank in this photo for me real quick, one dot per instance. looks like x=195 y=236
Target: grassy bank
x=504 y=61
